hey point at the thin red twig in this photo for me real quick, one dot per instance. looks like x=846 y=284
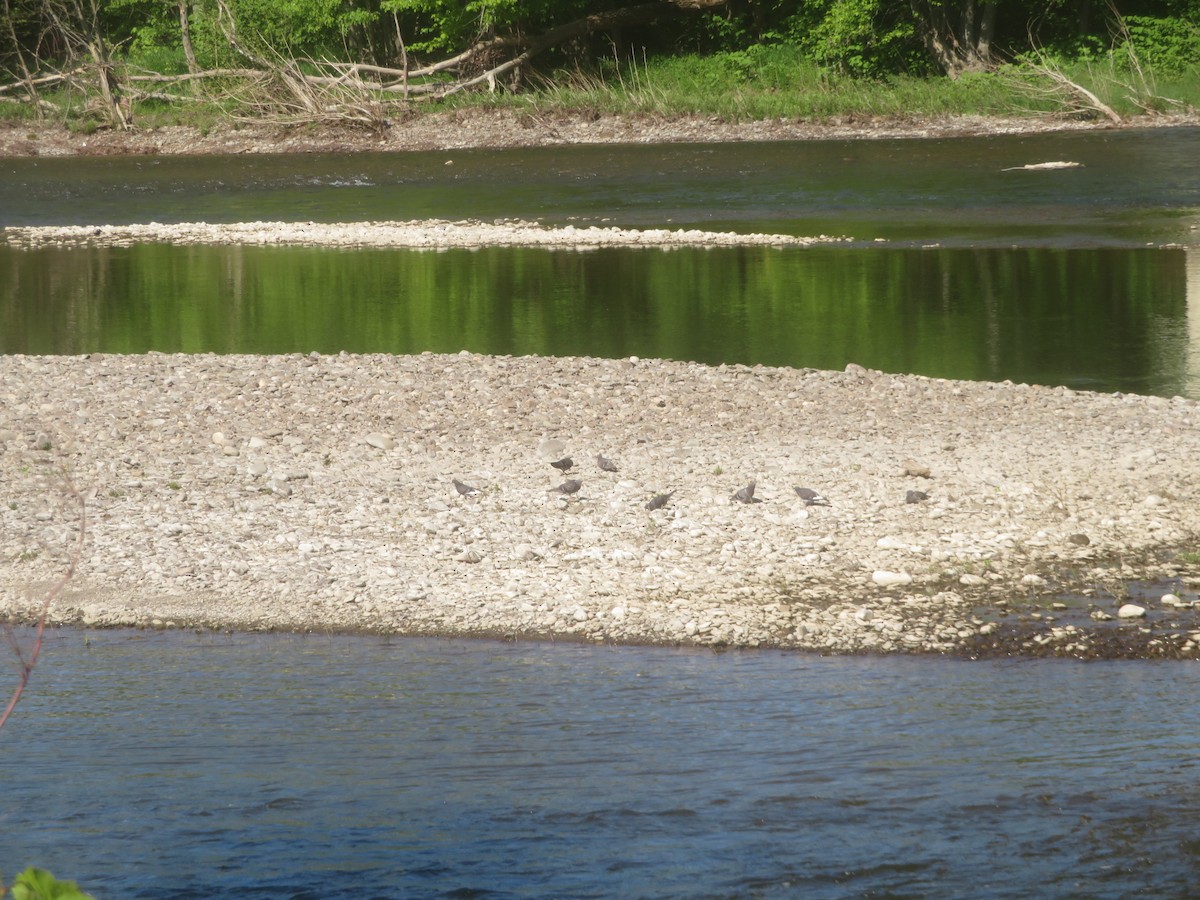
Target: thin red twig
x=27 y=665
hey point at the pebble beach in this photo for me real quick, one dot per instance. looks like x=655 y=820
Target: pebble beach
x=316 y=493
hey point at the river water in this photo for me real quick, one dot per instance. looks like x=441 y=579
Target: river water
x=1087 y=277
x=166 y=765
x=179 y=765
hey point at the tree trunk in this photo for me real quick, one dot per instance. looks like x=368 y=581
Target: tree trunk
x=987 y=27
x=185 y=37
x=118 y=114
x=19 y=52
x=403 y=53
x=958 y=34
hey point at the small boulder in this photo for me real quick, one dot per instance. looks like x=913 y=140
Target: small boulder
x=914 y=469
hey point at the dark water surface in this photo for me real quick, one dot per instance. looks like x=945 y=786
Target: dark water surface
x=1081 y=277
x=1133 y=187
x=163 y=765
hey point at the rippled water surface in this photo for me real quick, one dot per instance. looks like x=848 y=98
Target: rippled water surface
x=164 y=765
x=1131 y=187
x=160 y=765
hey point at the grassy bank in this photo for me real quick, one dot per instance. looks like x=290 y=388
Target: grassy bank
x=763 y=83
x=778 y=82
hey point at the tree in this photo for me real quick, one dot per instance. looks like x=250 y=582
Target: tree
x=959 y=34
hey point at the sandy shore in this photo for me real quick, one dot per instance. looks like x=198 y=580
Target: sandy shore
x=315 y=492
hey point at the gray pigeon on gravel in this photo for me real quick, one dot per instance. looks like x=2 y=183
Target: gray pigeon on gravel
x=465 y=489
x=563 y=465
x=659 y=501
x=915 y=496
x=606 y=464
x=811 y=497
x=570 y=486
x=746 y=494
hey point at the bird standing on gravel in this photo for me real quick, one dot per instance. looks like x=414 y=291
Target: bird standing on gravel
x=658 y=501
x=746 y=494
x=605 y=463
x=915 y=496
x=570 y=486
x=563 y=465
x=465 y=489
x=811 y=497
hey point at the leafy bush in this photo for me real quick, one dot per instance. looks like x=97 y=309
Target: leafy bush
x=863 y=39
x=1168 y=46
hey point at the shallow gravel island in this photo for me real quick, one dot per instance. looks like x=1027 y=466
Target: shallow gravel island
x=417 y=234
x=319 y=493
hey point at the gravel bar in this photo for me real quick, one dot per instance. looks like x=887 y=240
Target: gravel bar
x=310 y=492
x=422 y=234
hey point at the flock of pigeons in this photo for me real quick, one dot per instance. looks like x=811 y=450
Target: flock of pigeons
x=658 y=501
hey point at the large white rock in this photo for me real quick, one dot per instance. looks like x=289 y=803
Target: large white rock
x=1131 y=611
x=891 y=579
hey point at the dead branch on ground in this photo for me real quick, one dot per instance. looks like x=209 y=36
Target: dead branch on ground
x=1076 y=95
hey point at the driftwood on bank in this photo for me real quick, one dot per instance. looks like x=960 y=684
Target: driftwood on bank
x=278 y=86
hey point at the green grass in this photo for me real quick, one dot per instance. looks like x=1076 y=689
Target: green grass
x=766 y=82
x=1131 y=92
x=778 y=82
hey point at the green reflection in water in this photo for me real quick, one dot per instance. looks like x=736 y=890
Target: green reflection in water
x=1107 y=319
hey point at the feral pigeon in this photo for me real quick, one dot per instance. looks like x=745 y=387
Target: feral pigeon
x=659 y=501
x=570 y=486
x=465 y=489
x=811 y=497
x=746 y=494
x=915 y=496
x=564 y=464
x=606 y=464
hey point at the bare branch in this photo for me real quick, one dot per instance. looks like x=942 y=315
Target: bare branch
x=28 y=661
x=155 y=78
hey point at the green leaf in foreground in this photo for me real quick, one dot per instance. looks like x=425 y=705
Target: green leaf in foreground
x=38 y=884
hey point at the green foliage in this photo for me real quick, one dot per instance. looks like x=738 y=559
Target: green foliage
x=295 y=26
x=157 y=57
x=1168 y=46
x=755 y=57
x=864 y=39
x=38 y=884
x=433 y=26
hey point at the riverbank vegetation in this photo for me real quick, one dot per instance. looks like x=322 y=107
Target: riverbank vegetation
x=120 y=63
x=94 y=64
